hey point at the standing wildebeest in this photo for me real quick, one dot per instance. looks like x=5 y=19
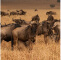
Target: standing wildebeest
x=45 y=29
x=51 y=20
x=24 y=34
x=50 y=17
x=56 y=29
x=50 y=13
x=22 y=12
x=36 y=10
x=6 y=31
x=13 y=13
x=4 y=13
x=18 y=13
x=20 y=21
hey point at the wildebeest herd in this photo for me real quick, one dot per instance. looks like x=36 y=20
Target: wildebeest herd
x=26 y=31
x=17 y=12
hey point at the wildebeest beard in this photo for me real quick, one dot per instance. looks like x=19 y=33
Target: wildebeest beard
x=33 y=29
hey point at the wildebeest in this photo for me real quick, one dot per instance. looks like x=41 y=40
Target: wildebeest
x=6 y=31
x=50 y=13
x=4 y=13
x=24 y=34
x=56 y=28
x=17 y=12
x=13 y=13
x=16 y=20
x=21 y=22
x=51 y=22
x=45 y=29
x=36 y=10
x=22 y=12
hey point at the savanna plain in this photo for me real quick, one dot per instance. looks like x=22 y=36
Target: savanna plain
x=40 y=51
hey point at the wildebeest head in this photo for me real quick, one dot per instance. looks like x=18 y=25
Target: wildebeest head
x=36 y=18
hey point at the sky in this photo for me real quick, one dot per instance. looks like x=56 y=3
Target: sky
x=28 y=4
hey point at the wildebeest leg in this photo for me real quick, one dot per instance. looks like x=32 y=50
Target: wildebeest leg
x=33 y=40
x=15 y=40
x=45 y=39
x=12 y=43
x=18 y=44
x=30 y=44
x=57 y=38
x=50 y=33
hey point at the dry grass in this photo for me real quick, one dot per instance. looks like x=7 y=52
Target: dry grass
x=40 y=51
